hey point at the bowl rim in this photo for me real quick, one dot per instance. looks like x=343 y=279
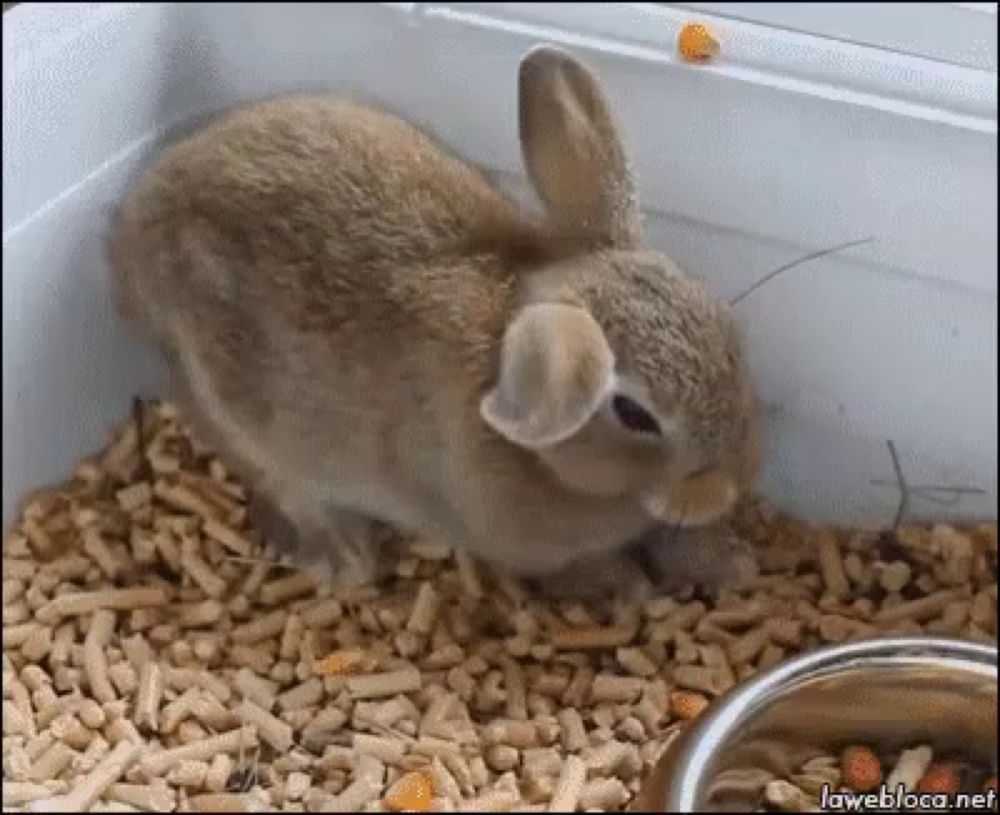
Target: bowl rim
x=697 y=746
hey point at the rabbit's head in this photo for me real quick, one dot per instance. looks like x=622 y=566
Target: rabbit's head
x=623 y=376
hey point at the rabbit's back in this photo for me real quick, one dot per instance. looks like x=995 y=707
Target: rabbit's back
x=309 y=195
x=319 y=272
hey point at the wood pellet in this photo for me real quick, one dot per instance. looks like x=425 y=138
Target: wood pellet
x=156 y=657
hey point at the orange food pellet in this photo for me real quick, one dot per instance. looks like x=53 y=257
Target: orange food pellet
x=940 y=778
x=687 y=706
x=340 y=662
x=411 y=793
x=696 y=43
x=860 y=768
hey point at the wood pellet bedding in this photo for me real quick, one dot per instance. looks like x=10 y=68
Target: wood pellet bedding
x=158 y=658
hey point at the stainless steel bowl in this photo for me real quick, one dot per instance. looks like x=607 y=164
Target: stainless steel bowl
x=886 y=691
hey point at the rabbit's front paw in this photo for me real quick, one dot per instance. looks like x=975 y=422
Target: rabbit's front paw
x=739 y=566
x=711 y=558
x=349 y=551
x=341 y=548
x=599 y=578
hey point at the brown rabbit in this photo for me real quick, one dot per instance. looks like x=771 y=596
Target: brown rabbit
x=373 y=333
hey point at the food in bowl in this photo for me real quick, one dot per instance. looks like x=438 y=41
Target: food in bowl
x=870 y=723
x=914 y=777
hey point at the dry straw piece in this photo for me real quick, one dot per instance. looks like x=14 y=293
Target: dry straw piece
x=157 y=658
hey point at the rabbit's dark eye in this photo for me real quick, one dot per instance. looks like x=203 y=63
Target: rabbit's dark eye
x=633 y=416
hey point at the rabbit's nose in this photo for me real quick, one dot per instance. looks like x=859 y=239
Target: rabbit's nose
x=694 y=501
x=656 y=505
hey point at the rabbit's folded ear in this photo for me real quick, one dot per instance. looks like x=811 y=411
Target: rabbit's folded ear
x=572 y=151
x=555 y=370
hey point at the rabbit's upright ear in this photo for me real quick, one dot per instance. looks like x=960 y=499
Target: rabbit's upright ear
x=555 y=370
x=572 y=150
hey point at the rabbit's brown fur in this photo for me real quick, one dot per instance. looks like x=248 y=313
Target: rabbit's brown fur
x=373 y=332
